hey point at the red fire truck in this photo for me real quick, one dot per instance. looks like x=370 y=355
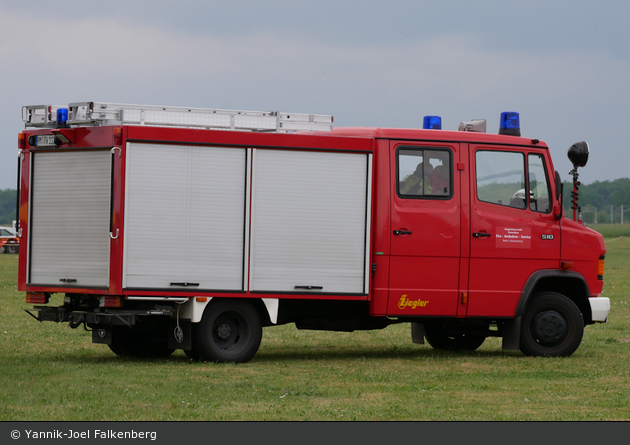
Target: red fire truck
x=274 y=218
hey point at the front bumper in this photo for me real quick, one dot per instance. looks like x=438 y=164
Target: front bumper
x=600 y=307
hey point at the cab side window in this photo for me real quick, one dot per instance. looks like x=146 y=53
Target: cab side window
x=538 y=184
x=501 y=178
x=424 y=173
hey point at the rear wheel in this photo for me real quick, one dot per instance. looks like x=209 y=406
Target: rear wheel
x=12 y=249
x=229 y=332
x=438 y=338
x=552 y=326
x=139 y=344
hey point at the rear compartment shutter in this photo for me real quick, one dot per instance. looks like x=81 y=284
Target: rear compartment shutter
x=69 y=229
x=309 y=221
x=184 y=217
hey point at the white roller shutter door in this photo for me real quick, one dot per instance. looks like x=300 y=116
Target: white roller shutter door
x=309 y=221
x=184 y=217
x=70 y=214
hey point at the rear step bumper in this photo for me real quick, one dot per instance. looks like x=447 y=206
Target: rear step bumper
x=75 y=318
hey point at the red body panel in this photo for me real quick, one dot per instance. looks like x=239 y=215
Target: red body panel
x=582 y=247
x=437 y=270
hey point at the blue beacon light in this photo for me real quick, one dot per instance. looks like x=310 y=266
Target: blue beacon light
x=510 y=123
x=432 y=123
x=62 y=117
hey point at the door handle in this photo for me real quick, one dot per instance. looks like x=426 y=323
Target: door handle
x=402 y=232
x=480 y=234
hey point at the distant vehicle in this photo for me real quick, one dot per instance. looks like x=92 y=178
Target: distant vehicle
x=8 y=240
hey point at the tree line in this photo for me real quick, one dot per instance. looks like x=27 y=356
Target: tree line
x=595 y=199
x=7 y=206
x=598 y=198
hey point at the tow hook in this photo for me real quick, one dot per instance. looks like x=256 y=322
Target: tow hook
x=75 y=323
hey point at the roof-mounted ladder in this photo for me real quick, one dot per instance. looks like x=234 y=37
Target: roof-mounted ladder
x=99 y=114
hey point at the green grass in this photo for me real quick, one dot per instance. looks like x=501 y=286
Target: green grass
x=53 y=373
x=612 y=230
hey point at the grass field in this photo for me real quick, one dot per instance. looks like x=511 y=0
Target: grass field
x=612 y=230
x=53 y=373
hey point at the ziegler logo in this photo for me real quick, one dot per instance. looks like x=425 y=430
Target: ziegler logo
x=412 y=304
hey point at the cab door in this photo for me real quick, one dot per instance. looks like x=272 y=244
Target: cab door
x=513 y=229
x=425 y=223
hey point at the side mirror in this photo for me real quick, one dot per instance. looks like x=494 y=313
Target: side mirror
x=558 y=187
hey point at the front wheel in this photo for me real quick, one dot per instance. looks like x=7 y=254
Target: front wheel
x=229 y=332
x=552 y=326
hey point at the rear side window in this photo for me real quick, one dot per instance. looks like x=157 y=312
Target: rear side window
x=424 y=173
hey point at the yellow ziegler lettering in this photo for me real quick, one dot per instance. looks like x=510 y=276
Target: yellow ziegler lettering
x=412 y=304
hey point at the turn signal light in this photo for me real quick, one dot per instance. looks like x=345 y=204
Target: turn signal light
x=600 y=267
x=37 y=298
x=118 y=136
x=110 y=302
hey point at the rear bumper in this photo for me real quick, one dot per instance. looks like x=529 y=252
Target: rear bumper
x=600 y=307
x=96 y=318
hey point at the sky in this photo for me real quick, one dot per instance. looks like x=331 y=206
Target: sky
x=564 y=66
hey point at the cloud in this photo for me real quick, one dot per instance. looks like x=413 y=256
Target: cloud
x=450 y=66
x=390 y=83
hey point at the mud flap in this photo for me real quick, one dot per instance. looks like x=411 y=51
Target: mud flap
x=180 y=334
x=417 y=333
x=102 y=336
x=512 y=334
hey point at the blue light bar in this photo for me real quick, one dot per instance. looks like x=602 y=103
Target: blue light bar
x=432 y=123
x=510 y=123
x=62 y=116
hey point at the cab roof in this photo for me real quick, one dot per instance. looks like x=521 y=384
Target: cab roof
x=433 y=135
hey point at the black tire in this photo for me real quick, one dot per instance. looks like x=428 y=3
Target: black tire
x=439 y=339
x=551 y=327
x=12 y=249
x=139 y=344
x=230 y=331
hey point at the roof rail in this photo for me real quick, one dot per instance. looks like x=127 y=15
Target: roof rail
x=99 y=114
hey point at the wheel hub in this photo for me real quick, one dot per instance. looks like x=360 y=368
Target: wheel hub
x=549 y=327
x=224 y=331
